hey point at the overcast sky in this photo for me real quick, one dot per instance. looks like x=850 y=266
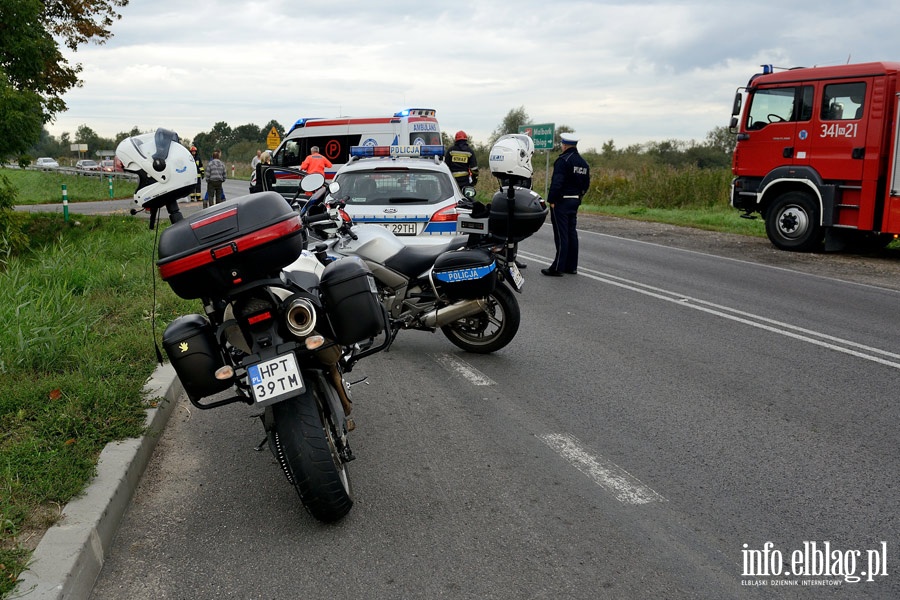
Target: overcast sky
x=631 y=71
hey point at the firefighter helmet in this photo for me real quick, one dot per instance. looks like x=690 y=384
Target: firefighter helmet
x=166 y=170
x=461 y=135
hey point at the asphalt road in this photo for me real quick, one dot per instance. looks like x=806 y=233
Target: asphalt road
x=658 y=420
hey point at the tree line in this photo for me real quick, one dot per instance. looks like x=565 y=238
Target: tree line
x=239 y=144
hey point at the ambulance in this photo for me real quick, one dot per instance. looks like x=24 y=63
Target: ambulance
x=335 y=137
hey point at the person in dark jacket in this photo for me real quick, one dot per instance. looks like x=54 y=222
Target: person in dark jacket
x=460 y=158
x=195 y=195
x=570 y=182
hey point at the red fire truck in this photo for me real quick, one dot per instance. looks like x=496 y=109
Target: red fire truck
x=816 y=154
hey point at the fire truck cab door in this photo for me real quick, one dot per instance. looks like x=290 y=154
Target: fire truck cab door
x=834 y=144
x=772 y=124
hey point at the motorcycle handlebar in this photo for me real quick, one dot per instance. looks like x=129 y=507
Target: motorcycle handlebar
x=317 y=218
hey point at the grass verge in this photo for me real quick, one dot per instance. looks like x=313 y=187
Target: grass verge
x=75 y=353
x=724 y=219
x=45 y=187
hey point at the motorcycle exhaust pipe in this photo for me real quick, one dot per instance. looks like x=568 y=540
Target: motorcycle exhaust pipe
x=301 y=317
x=448 y=314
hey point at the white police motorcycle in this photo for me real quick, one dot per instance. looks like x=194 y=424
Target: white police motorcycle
x=462 y=287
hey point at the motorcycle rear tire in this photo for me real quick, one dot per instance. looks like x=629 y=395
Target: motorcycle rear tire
x=475 y=334
x=310 y=454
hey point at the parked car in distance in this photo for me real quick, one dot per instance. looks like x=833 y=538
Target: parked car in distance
x=111 y=166
x=87 y=165
x=46 y=163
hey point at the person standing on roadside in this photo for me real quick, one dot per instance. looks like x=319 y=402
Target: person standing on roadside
x=196 y=194
x=255 y=160
x=462 y=162
x=315 y=162
x=215 y=177
x=570 y=182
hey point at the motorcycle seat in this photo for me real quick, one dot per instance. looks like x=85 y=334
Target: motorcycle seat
x=415 y=260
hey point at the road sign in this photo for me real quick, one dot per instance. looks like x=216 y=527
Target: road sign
x=542 y=135
x=273 y=139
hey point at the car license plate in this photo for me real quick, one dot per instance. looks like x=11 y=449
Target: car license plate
x=516 y=276
x=402 y=228
x=272 y=379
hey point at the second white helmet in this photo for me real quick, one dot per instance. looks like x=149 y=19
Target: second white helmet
x=511 y=156
x=166 y=170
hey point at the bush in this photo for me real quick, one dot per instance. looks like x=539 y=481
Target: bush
x=661 y=187
x=12 y=239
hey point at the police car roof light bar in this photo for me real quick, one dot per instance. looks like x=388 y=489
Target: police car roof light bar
x=396 y=151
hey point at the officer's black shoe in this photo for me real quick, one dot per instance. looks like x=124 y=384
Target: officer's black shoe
x=551 y=273
x=573 y=272
x=521 y=265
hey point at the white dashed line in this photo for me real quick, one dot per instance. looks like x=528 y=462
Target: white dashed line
x=627 y=488
x=460 y=367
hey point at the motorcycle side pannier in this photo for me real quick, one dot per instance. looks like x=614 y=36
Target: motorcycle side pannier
x=351 y=301
x=235 y=242
x=190 y=344
x=528 y=214
x=464 y=274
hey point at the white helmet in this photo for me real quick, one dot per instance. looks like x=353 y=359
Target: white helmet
x=511 y=156
x=166 y=170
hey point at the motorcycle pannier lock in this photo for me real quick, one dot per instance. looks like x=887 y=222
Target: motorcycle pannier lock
x=464 y=274
x=351 y=301
x=190 y=344
x=235 y=242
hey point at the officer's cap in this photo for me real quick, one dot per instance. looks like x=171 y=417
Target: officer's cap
x=570 y=139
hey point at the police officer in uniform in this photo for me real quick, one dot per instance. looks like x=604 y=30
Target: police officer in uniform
x=570 y=182
x=462 y=162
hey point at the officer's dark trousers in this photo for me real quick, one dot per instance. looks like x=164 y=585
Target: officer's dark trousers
x=564 y=217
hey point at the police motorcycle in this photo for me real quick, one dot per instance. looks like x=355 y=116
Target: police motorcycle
x=278 y=329
x=462 y=287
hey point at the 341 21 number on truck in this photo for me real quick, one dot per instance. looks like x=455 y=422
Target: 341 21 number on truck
x=817 y=154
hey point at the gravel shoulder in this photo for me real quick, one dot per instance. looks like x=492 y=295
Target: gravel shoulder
x=881 y=269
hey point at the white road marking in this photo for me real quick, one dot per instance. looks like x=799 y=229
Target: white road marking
x=460 y=367
x=627 y=488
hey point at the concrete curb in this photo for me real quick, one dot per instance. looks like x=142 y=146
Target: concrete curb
x=69 y=557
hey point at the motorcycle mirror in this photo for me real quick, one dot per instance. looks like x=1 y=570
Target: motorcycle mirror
x=312 y=182
x=469 y=192
x=334 y=187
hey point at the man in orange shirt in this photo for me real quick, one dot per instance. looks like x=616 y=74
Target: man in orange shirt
x=315 y=162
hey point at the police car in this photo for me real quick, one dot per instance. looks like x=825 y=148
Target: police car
x=407 y=189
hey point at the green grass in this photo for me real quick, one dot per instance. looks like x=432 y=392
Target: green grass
x=45 y=187
x=720 y=218
x=75 y=351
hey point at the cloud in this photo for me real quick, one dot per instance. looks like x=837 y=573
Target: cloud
x=628 y=71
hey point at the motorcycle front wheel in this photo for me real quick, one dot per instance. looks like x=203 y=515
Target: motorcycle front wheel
x=305 y=437
x=490 y=330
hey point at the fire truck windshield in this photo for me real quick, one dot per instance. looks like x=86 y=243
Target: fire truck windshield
x=775 y=105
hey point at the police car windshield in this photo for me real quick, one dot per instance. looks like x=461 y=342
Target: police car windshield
x=396 y=187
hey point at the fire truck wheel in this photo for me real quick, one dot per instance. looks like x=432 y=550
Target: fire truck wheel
x=792 y=222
